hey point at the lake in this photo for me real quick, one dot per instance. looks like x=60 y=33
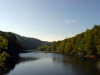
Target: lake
x=40 y=63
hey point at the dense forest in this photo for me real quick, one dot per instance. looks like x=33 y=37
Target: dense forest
x=9 y=43
x=84 y=44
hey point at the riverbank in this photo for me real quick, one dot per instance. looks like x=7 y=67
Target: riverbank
x=93 y=57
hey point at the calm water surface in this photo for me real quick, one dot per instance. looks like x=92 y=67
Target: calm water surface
x=39 y=63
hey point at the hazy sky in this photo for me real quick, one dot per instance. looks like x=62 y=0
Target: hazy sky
x=48 y=19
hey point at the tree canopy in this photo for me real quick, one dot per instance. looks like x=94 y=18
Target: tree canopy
x=85 y=44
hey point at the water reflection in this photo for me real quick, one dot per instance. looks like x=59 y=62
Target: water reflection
x=12 y=62
x=7 y=66
x=39 y=63
x=82 y=66
x=78 y=65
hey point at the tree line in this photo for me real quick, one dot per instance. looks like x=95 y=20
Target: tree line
x=84 y=44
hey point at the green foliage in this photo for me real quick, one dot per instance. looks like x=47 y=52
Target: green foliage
x=86 y=43
x=3 y=44
x=9 y=43
x=3 y=58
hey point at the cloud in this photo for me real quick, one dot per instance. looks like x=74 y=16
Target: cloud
x=70 y=21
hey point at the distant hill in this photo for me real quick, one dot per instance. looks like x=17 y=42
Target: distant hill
x=29 y=43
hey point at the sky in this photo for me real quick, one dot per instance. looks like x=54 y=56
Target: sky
x=48 y=20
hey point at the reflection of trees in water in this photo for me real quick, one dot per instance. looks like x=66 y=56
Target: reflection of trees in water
x=8 y=65
x=12 y=62
x=78 y=65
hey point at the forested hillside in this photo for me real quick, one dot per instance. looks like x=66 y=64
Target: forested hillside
x=9 y=43
x=13 y=43
x=29 y=43
x=85 y=44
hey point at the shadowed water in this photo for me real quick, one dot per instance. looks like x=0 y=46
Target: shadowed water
x=40 y=63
